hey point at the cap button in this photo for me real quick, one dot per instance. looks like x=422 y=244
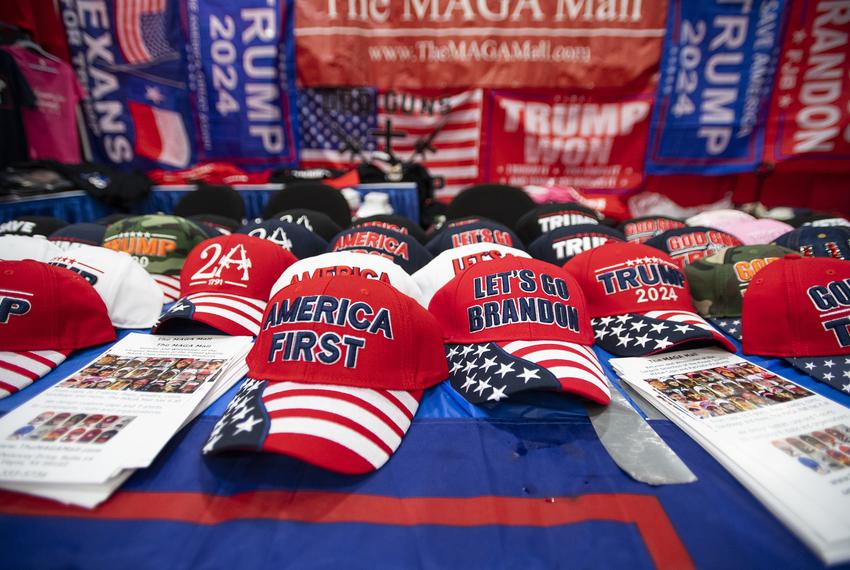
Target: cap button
x=793 y=256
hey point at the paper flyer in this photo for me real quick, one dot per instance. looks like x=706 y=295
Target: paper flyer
x=789 y=446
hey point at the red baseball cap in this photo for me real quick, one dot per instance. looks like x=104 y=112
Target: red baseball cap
x=799 y=308
x=639 y=300
x=515 y=324
x=224 y=284
x=46 y=312
x=335 y=375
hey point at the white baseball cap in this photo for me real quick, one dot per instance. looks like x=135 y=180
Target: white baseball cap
x=350 y=263
x=18 y=248
x=132 y=297
x=449 y=263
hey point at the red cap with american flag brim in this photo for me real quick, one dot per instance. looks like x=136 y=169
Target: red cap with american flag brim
x=639 y=300
x=46 y=312
x=516 y=324
x=335 y=376
x=224 y=283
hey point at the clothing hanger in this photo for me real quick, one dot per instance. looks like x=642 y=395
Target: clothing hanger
x=28 y=43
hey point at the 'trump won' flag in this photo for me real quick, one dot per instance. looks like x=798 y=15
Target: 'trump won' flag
x=451 y=122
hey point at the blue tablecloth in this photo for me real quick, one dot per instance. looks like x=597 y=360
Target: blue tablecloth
x=522 y=485
x=75 y=207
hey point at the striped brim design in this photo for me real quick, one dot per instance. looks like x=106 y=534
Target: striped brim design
x=340 y=428
x=231 y=314
x=170 y=285
x=20 y=369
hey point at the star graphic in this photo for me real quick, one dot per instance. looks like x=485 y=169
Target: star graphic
x=631 y=262
x=736 y=322
x=154 y=95
x=732 y=330
x=482 y=348
x=846 y=373
x=663 y=343
x=179 y=307
x=528 y=374
x=799 y=36
x=605 y=321
x=623 y=318
x=642 y=340
x=624 y=340
x=682 y=328
x=600 y=333
x=455 y=367
x=846 y=387
x=785 y=101
x=828 y=376
x=488 y=363
x=243 y=411
x=466 y=385
x=658 y=327
x=847 y=361
x=809 y=365
x=452 y=352
x=828 y=363
x=470 y=366
x=504 y=369
x=247 y=425
x=214 y=440
x=482 y=385
x=618 y=330
x=638 y=325
x=466 y=350
x=498 y=394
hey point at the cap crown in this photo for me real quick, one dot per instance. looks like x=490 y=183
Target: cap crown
x=512 y=299
x=644 y=228
x=43 y=307
x=159 y=243
x=237 y=264
x=399 y=248
x=798 y=307
x=620 y=278
x=686 y=245
x=563 y=244
x=812 y=241
x=350 y=331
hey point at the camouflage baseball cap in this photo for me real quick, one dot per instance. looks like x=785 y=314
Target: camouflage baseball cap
x=718 y=282
x=159 y=243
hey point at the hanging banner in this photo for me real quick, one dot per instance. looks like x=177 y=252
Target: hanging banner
x=415 y=44
x=809 y=122
x=241 y=57
x=716 y=77
x=128 y=58
x=442 y=130
x=568 y=140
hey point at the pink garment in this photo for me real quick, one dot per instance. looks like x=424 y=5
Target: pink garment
x=52 y=125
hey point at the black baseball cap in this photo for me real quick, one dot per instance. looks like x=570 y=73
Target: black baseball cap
x=32 y=226
x=312 y=195
x=317 y=222
x=499 y=202
x=400 y=248
x=562 y=244
x=472 y=230
x=216 y=225
x=292 y=237
x=393 y=222
x=78 y=234
x=548 y=217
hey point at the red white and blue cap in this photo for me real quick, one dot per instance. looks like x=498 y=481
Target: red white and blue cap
x=517 y=324
x=468 y=231
x=46 y=313
x=335 y=376
x=640 y=301
x=799 y=308
x=224 y=285
x=399 y=248
x=812 y=241
x=445 y=266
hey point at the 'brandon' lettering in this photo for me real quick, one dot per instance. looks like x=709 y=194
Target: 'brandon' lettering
x=642 y=275
x=357 y=315
x=522 y=310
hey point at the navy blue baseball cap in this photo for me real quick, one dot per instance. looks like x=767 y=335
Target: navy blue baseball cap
x=813 y=241
x=292 y=237
x=472 y=230
x=560 y=245
x=75 y=235
x=548 y=217
x=400 y=248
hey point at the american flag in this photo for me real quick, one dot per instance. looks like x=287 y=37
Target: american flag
x=457 y=116
x=357 y=429
x=20 y=369
x=141 y=30
x=491 y=372
x=640 y=334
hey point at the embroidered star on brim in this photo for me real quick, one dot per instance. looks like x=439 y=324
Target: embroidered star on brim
x=491 y=372
x=641 y=334
x=731 y=326
x=340 y=428
x=833 y=371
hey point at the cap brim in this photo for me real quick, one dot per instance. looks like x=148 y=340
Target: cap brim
x=21 y=368
x=339 y=428
x=231 y=314
x=641 y=334
x=730 y=325
x=833 y=371
x=491 y=372
x=170 y=285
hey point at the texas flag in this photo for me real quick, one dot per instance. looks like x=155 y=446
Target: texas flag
x=161 y=135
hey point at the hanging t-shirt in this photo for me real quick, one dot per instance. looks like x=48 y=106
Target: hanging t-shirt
x=15 y=93
x=52 y=125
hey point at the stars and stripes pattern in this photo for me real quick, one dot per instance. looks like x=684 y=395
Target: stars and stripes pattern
x=170 y=285
x=640 y=334
x=21 y=368
x=491 y=372
x=342 y=428
x=731 y=326
x=229 y=313
x=457 y=144
x=141 y=30
x=833 y=371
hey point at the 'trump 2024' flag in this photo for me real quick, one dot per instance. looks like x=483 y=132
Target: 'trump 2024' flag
x=330 y=117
